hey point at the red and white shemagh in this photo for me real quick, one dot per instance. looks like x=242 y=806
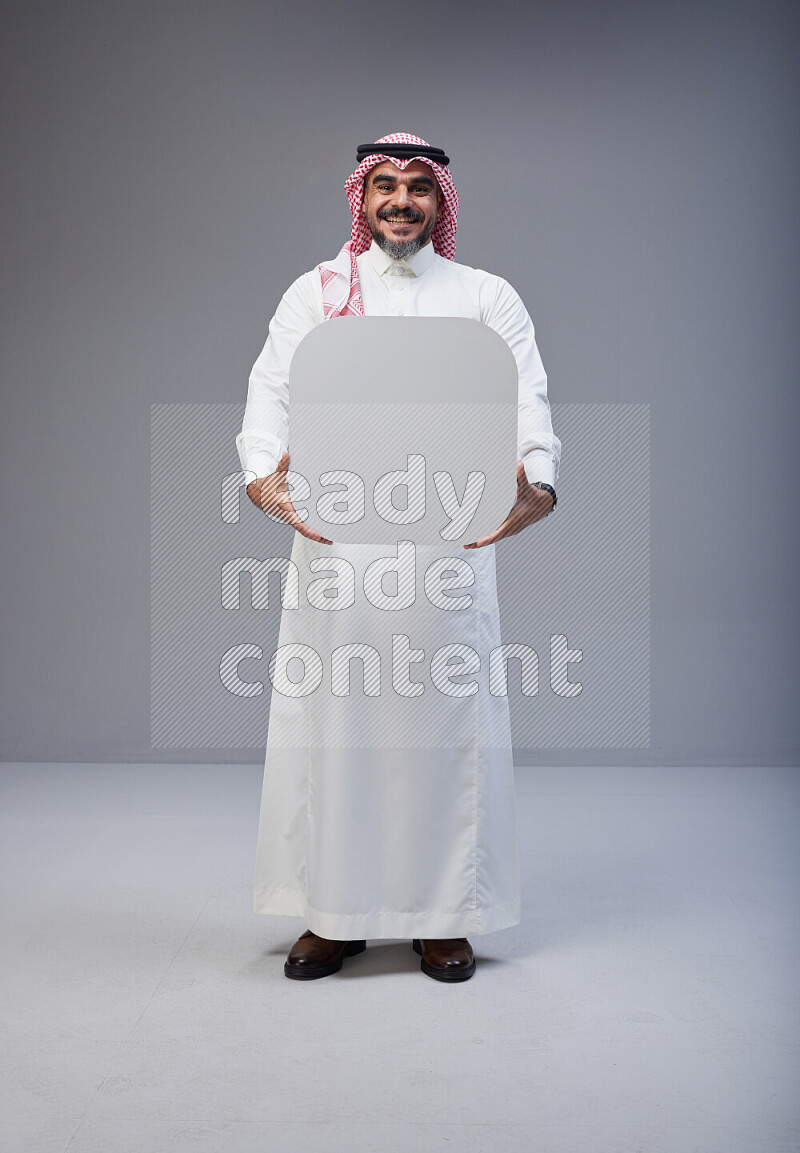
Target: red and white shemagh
x=341 y=290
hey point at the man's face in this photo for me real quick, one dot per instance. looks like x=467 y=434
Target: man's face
x=401 y=206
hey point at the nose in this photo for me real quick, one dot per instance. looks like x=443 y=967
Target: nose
x=401 y=195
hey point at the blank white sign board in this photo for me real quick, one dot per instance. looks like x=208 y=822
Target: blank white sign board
x=403 y=428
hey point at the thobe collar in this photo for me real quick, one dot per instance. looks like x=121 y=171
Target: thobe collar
x=386 y=265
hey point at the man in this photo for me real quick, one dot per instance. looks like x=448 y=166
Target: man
x=392 y=817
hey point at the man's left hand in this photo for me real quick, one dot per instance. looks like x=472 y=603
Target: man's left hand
x=532 y=504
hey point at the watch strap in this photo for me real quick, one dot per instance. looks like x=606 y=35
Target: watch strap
x=548 y=488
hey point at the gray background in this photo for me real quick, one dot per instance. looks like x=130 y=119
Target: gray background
x=171 y=167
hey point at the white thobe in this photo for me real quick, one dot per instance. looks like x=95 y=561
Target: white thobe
x=393 y=816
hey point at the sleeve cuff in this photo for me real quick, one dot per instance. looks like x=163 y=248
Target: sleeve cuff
x=539 y=467
x=260 y=460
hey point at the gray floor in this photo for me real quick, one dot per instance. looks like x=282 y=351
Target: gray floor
x=646 y=1004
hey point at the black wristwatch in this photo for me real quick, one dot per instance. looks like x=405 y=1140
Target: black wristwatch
x=548 y=488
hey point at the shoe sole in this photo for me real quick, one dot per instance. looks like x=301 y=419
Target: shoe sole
x=313 y=972
x=442 y=974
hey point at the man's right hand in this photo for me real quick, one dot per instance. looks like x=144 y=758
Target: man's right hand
x=270 y=494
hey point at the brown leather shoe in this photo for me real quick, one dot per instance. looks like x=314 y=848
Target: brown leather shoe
x=450 y=959
x=312 y=956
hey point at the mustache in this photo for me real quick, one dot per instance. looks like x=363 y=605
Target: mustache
x=412 y=215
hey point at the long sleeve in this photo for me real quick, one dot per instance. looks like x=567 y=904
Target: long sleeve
x=538 y=447
x=265 y=428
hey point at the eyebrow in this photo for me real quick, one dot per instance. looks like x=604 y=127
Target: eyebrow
x=381 y=179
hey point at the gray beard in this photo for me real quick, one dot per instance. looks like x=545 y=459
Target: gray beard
x=400 y=249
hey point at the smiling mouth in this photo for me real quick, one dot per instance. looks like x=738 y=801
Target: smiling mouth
x=400 y=221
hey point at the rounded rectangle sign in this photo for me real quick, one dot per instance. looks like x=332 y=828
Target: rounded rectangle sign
x=403 y=428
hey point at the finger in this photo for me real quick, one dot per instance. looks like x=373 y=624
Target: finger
x=304 y=530
x=509 y=527
x=496 y=535
x=295 y=521
x=278 y=511
x=500 y=534
x=293 y=518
